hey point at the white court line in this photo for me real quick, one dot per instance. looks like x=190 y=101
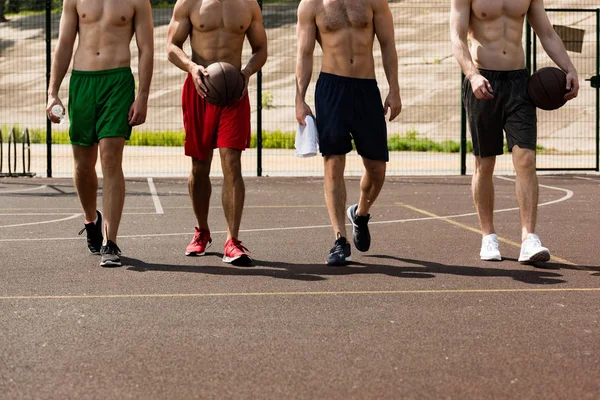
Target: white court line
x=583 y=178
x=32 y=214
x=24 y=190
x=155 y=199
x=38 y=223
x=567 y=196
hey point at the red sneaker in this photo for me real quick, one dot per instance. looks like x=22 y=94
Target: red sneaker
x=200 y=242
x=236 y=253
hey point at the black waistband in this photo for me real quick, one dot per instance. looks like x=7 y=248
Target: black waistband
x=325 y=76
x=504 y=75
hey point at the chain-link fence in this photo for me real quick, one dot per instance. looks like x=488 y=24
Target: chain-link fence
x=424 y=139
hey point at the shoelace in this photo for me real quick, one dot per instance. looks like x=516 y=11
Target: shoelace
x=113 y=249
x=238 y=244
x=489 y=246
x=338 y=247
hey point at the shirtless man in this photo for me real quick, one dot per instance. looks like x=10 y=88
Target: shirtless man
x=103 y=107
x=348 y=103
x=495 y=96
x=216 y=29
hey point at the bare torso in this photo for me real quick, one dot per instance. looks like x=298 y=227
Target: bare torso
x=218 y=30
x=496 y=30
x=346 y=34
x=105 y=29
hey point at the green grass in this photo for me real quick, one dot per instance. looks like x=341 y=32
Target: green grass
x=409 y=141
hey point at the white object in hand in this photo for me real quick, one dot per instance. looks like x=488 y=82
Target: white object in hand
x=307 y=138
x=57 y=111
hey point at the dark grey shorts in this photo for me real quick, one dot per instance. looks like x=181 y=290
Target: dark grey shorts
x=510 y=110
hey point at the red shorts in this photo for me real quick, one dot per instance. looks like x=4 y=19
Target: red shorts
x=208 y=126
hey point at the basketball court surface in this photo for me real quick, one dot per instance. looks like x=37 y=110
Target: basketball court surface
x=418 y=316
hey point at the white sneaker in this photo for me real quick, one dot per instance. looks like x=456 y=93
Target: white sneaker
x=489 y=248
x=532 y=250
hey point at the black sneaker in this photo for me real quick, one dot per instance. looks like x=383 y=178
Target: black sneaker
x=340 y=252
x=110 y=255
x=360 y=228
x=94 y=234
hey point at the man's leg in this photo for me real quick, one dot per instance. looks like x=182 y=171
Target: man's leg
x=85 y=178
x=233 y=205
x=335 y=192
x=483 y=196
x=358 y=214
x=233 y=190
x=335 y=198
x=483 y=192
x=200 y=189
x=113 y=184
x=370 y=185
x=526 y=188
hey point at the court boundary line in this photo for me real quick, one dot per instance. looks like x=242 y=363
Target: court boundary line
x=568 y=195
x=38 y=223
x=155 y=199
x=24 y=190
x=300 y=293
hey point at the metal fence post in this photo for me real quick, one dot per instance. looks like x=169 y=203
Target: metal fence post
x=48 y=65
x=259 y=117
x=463 y=129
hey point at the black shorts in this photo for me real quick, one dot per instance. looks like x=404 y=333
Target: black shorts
x=347 y=109
x=510 y=110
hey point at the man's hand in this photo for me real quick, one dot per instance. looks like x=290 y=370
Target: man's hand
x=302 y=110
x=246 y=75
x=198 y=72
x=572 y=85
x=52 y=101
x=137 y=111
x=482 y=89
x=393 y=103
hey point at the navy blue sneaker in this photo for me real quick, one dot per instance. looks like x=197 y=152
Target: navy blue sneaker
x=339 y=253
x=360 y=228
x=94 y=234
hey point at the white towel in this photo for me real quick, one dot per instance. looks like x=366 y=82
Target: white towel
x=307 y=138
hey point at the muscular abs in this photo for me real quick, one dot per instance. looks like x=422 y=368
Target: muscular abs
x=345 y=32
x=496 y=29
x=105 y=29
x=218 y=32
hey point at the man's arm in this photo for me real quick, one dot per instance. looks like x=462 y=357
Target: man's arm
x=63 y=52
x=553 y=45
x=460 y=14
x=177 y=33
x=383 y=23
x=306 y=36
x=144 y=37
x=257 y=37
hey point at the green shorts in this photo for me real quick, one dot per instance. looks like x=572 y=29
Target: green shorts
x=99 y=103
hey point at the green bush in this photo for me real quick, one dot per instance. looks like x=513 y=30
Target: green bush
x=408 y=141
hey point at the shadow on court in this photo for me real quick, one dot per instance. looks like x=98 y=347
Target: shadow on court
x=418 y=316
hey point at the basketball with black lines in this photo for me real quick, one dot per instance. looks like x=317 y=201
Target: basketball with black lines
x=225 y=84
x=547 y=88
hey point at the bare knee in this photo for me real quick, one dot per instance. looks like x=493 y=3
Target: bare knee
x=524 y=161
x=375 y=170
x=110 y=163
x=484 y=166
x=85 y=168
x=200 y=168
